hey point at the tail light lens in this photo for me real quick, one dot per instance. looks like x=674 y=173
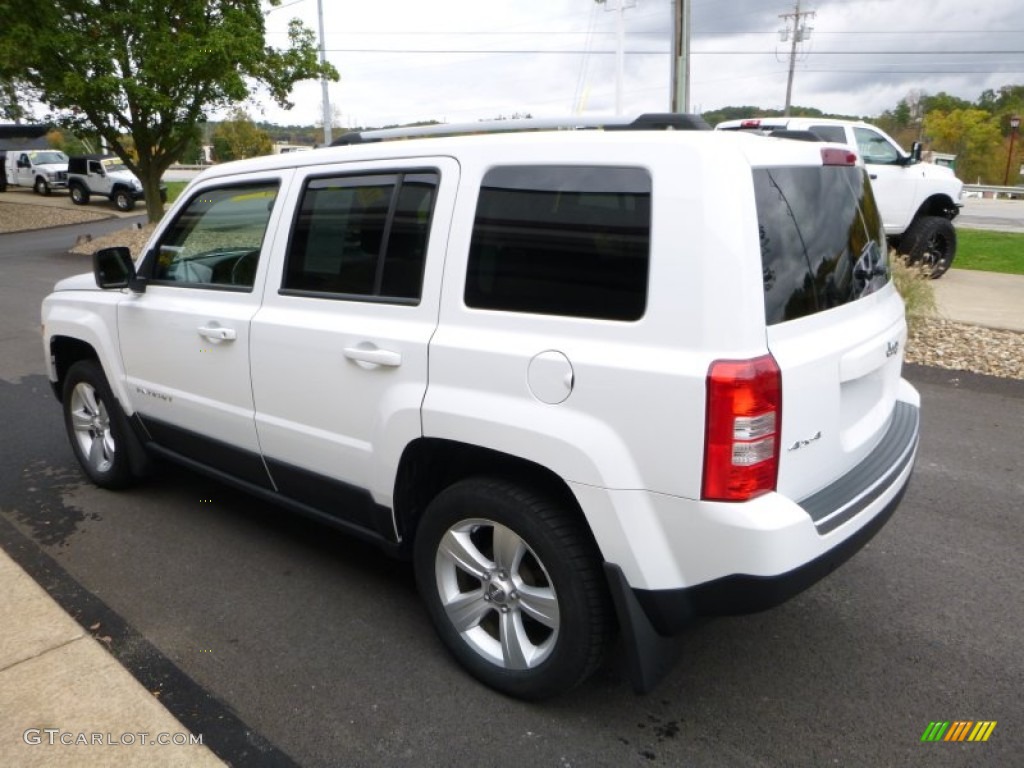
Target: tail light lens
x=742 y=429
x=834 y=156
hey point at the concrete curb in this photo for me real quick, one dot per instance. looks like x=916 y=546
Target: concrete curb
x=65 y=701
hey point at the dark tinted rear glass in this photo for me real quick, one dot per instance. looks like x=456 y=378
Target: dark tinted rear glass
x=834 y=133
x=822 y=243
x=562 y=240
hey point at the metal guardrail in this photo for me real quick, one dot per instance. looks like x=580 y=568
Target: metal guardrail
x=978 y=190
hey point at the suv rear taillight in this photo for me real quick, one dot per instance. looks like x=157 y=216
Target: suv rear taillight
x=742 y=429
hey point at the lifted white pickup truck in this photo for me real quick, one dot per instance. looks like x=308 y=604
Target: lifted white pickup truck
x=918 y=201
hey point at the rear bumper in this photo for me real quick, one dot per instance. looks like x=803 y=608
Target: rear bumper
x=670 y=610
x=845 y=516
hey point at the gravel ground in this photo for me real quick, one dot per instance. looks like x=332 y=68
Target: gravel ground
x=958 y=347
x=937 y=342
x=18 y=217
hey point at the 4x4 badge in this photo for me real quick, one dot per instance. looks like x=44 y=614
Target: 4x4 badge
x=892 y=348
x=804 y=443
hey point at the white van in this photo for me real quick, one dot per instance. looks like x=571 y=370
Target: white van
x=42 y=169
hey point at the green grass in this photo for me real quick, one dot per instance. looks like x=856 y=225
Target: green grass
x=174 y=189
x=989 y=251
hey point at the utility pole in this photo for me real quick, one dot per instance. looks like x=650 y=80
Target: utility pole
x=800 y=33
x=323 y=79
x=620 y=48
x=680 y=74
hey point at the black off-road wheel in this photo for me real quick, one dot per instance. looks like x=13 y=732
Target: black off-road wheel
x=96 y=426
x=79 y=194
x=930 y=242
x=123 y=200
x=512 y=581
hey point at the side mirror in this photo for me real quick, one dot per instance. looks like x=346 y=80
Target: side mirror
x=113 y=268
x=915 y=152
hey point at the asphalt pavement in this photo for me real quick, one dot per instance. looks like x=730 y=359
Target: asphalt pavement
x=66 y=701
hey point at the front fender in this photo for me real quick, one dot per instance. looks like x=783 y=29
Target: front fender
x=88 y=317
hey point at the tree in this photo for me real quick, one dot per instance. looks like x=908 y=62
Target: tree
x=10 y=101
x=149 y=70
x=70 y=144
x=973 y=135
x=238 y=137
x=943 y=102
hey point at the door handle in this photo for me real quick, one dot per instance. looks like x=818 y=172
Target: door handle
x=373 y=356
x=872 y=176
x=216 y=333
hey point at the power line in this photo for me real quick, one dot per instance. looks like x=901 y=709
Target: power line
x=521 y=51
x=870 y=53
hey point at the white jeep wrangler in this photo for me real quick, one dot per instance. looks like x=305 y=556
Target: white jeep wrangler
x=918 y=201
x=104 y=175
x=587 y=380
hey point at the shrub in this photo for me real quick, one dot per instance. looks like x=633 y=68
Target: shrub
x=915 y=286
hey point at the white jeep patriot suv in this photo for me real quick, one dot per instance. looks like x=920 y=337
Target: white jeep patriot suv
x=588 y=380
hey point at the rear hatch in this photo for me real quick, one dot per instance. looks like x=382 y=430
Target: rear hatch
x=835 y=323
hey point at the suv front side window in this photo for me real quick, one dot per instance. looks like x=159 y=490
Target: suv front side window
x=216 y=239
x=874 y=148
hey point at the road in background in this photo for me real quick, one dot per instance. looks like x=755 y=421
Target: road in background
x=998 y=215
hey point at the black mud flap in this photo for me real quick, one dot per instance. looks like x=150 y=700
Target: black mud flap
x=649 y=655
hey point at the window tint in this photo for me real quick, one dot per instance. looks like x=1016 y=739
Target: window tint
x=822 y=243
x=562 y=240
x=216 y=239
x=834 y=133
x=362 y=236
x=875 y=148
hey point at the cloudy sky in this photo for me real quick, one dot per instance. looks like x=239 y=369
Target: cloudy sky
x=464 y=60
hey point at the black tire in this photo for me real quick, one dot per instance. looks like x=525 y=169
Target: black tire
x=79 y=194
x=41 y=187
x=930 y=242
x=97 y=427
x=123 y=200
x=537 y=617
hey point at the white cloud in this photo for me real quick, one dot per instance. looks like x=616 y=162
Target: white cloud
x=402 y=61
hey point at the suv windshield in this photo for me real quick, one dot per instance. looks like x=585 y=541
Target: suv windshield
x=822 y=243
x=114 y=164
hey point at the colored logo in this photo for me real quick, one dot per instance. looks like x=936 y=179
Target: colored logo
x=959 y=730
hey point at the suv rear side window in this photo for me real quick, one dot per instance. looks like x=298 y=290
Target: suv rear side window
x=836 y=133
x=822 y=243
x=562 y=240
x=362 y=237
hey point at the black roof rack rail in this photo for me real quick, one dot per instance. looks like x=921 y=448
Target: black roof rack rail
x=645 y=122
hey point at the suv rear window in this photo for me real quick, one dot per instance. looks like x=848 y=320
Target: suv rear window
x=822 y=243
x=562 y=240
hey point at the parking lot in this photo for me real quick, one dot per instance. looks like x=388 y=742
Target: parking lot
x=285 y=644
